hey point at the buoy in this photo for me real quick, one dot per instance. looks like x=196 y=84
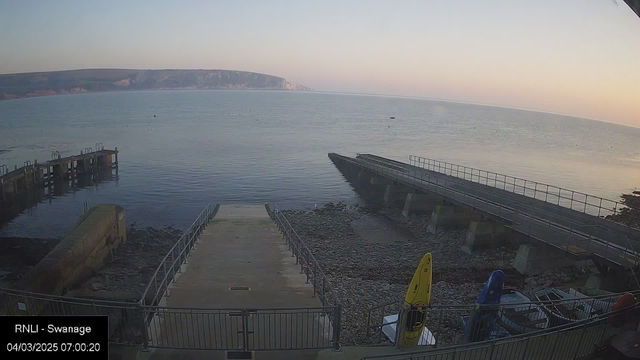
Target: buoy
x=392 y=117
x=154 y=115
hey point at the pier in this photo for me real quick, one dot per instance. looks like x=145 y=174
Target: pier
x=29 y=180
x=557 y=225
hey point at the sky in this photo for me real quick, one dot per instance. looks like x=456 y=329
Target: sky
x=575 y=57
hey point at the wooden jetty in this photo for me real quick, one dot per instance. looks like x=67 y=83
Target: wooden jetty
x=37 y=175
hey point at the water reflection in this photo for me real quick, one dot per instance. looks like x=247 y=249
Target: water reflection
x=27 y=201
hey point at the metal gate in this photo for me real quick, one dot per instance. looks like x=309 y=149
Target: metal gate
x=241 y=329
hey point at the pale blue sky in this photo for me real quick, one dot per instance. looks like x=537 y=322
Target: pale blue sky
x=568 y=56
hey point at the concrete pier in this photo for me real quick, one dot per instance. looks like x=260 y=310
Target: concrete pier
x=540 y=213
x=533 y=259
x=451 y=217
x=420 y=204
x=484 y=235
x=395 y=195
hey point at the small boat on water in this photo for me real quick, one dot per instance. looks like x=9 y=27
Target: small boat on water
x=564 y=308
x=522 y=316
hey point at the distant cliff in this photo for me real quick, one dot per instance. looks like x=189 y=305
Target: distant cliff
x=13 y=86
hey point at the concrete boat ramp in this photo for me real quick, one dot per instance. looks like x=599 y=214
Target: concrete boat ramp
x=242 y=267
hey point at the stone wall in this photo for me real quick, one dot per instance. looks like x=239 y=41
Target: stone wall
x=81 y=253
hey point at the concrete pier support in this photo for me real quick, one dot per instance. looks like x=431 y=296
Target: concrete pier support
x=378 y=180
x=364 y=177
x=608 y=282
x=84 y=165
x=484 y=235
x=420 y=204
x=451 y=217
x=395 y=195
x=60 y=170
x=531 y=259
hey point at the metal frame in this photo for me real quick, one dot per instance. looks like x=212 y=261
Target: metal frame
x=145 y=324
x=571 y=199
x=571 y=341
x=313 y=271
x=439 y=318
x=240 y=329
x=125 y=318
x=171 y=264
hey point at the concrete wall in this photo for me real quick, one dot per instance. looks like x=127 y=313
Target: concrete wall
x=80 y=254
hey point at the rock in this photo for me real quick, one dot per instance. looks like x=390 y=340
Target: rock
x=97 y=286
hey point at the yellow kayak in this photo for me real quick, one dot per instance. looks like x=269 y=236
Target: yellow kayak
x=416 y=301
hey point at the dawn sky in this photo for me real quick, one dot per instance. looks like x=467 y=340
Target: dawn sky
x=576 y=57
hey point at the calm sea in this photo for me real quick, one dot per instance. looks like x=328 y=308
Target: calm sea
x=268 y=146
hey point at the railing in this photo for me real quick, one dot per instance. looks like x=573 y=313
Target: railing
x=145 y=324
x=240 y=329
x=126 y=323
x=459 y=324
x=574 y=200
x=171 y=264
x=570 y=341
x=569 y=235
x=311 y=268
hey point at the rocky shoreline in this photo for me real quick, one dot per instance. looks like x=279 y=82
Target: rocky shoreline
x=370 y=255
x=128 y=272
x=123 y=277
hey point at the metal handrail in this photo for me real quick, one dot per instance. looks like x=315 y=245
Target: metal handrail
x=503 y=210
x=177 y=255
x=582 y=324
x=298 y=245
x=376 y=314
x=490 y=177
x=312 y=269
x=399 y=303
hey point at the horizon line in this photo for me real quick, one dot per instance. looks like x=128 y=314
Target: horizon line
x=416 y=97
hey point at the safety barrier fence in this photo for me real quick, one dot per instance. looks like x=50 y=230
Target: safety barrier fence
x=570 y=341
x=458 y=324
x=241 y=329
x=147 y=324
x=312 y=270
x=571 y=199
x=171 y=265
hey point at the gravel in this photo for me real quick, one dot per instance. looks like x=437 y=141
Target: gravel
x=134 y=262
x=367 y=272
x=18 y=255
x=127 y=271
